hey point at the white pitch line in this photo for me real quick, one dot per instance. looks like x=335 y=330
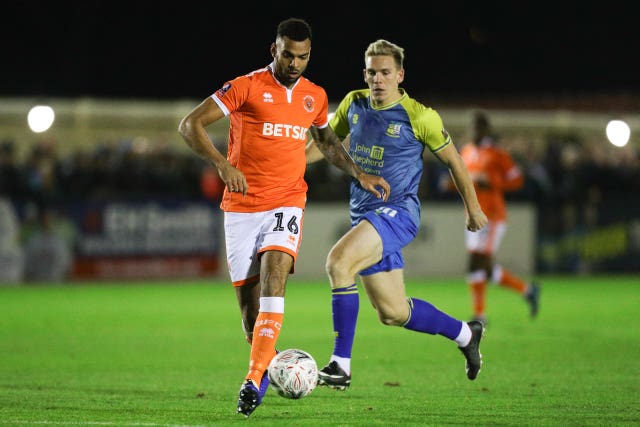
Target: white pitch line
x=103 y=423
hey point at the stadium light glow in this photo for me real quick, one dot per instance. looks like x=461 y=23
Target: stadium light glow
x=618 y=133
x=40 y=118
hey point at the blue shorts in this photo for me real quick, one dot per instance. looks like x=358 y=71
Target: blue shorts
x=396 y=229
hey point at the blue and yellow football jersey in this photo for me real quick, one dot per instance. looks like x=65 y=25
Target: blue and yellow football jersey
x=388 y=141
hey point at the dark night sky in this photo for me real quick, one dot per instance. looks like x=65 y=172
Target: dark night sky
x=185 y=49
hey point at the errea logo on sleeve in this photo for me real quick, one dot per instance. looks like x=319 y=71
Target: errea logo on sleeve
x=285 y=130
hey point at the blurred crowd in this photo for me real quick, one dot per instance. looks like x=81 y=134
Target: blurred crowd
x=559 y=170
x=38 y=237
x=131 y=168
x=569 y=181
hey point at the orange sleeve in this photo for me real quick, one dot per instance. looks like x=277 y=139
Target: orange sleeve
x=322 y=119
x=233 y=94
x=511 y=178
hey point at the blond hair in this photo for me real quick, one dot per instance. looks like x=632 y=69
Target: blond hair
x=383 y=47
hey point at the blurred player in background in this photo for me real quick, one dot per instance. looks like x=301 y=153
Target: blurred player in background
x=270 y=111
x=493 y=172
x=387 y=133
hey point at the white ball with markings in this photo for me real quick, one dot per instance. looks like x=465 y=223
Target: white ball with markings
x=293 y=373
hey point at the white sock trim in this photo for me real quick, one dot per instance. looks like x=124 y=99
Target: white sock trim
x=477 y=276
x=343 y=362
x=496 y=275
x=464 y=336
x=272 y=304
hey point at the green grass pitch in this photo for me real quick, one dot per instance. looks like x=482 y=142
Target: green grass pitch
x=173 y=354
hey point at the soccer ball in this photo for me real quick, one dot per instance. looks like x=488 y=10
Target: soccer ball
x=293 y=373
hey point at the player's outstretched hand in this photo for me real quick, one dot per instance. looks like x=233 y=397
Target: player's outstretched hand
x=375 y=185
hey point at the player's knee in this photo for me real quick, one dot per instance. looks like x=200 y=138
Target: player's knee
x=337 y=266
x=391 y=317
x=333 y=260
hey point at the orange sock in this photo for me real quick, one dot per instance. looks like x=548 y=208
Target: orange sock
x=263 y=347
x=508 y=280
x=478 y=297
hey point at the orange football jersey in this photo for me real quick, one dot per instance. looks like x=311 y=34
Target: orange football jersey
x=501 y=171
x=267 y=137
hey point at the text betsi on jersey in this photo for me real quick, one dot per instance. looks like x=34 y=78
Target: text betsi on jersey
x=286 y=130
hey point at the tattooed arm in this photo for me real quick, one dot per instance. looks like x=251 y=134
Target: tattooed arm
x=330 y=146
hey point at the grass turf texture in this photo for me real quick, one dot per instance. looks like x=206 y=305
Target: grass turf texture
x=164 y=354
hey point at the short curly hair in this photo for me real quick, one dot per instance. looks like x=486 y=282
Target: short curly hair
x=294 y=28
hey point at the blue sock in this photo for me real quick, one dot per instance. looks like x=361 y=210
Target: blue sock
x=426 y=318
x=345 y=303
x=264 y=385
x=264 y=382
